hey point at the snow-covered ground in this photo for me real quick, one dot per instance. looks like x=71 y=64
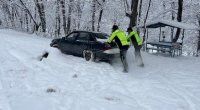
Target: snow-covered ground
x=164 y=84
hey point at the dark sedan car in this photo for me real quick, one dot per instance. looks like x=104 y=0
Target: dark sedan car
x=89 y=45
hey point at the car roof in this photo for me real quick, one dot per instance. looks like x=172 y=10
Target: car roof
x=93 y=32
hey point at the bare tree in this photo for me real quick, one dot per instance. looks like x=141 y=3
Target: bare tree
x=62 y=3
x=179 y=19
x=69 y=16
x=26 y=22
x=80 y=6
x=133 y=14
x=145 y=20
x=6 y=10
x=93 y=14
x=12 y=16
x=140 y=12
x=57 y=30
x=198 y=47
x=100 y=14
x=31 y=16
x=40 y=8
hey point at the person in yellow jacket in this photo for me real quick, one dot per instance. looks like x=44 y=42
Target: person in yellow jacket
x=120 y=39
x=134 y=38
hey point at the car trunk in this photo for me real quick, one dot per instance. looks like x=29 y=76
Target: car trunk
x=111 y=49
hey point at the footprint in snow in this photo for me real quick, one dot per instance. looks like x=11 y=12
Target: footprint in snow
x=112 y=99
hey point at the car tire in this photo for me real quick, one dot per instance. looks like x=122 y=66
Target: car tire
x=88 y=55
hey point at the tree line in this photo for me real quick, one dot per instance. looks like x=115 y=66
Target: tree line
x=59 y=17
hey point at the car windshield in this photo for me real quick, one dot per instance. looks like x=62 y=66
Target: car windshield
x=101 y=36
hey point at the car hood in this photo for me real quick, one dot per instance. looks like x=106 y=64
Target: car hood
x=55 y=40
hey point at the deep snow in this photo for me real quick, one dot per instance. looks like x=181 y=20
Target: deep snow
x=164 y=84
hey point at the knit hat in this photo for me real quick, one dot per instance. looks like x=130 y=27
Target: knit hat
x=115 y=27
x=129 y=29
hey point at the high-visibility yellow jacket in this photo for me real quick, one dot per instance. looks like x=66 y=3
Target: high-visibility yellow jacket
x=119 y=37
x=134 y=38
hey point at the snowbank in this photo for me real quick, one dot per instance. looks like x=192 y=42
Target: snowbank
x=164 y=84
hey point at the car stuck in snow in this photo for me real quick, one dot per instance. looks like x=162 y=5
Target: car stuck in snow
x=89 y=45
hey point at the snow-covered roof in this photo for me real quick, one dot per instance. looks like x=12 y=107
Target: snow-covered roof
x=163 y=23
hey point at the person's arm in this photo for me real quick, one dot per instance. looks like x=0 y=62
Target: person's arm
x=137 y=37
x=129 y=37
x=111 y=37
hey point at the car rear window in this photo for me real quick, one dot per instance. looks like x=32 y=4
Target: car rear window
x=83 y=36
x=101 y=36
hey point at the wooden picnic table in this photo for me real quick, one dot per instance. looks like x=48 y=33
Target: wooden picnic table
x=165 y=47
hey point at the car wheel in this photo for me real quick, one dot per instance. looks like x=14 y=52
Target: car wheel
x=88 y=55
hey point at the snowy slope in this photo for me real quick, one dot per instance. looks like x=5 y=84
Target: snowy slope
x=164 y=84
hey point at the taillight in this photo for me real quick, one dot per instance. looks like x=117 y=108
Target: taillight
x=106 y=48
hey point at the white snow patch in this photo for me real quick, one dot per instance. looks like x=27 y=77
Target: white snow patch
x=102 y=40
x=112 y=51
x=174 y=24
x=164 y=84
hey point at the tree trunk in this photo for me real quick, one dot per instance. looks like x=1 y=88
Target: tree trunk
x=20 y=18
x=62 y=3
x=145 y=20
x=69 y=16
x=179 y=19
x=99 y=20
x=100 y=16
x=173 y=17
x=57 y=28
x=41 y=11
x=29 y=13
x=7 y=12
x=93 y=14
x=27 y=23
x=133 y=14
x=198 y=48
x=79 y=13
x=12 y=17
x=140 y=12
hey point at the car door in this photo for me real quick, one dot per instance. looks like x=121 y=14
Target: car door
x=81 y=43
x=66 y=44
x=93 y=44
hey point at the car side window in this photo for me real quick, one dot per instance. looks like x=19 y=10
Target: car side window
x=92 y=38
x=83 y=36
x=72 y=36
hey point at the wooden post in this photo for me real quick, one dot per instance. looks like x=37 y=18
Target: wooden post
x=147 y=36
x=160 y=34
x=183 y=34
x=173 y=17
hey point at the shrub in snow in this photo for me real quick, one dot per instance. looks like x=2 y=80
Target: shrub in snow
x=51 y=90
x=75 y=76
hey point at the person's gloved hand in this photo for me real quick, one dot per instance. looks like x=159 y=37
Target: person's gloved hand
x=107 y=45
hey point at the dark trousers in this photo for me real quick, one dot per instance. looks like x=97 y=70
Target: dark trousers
x=123 y=53
x=138 y=56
